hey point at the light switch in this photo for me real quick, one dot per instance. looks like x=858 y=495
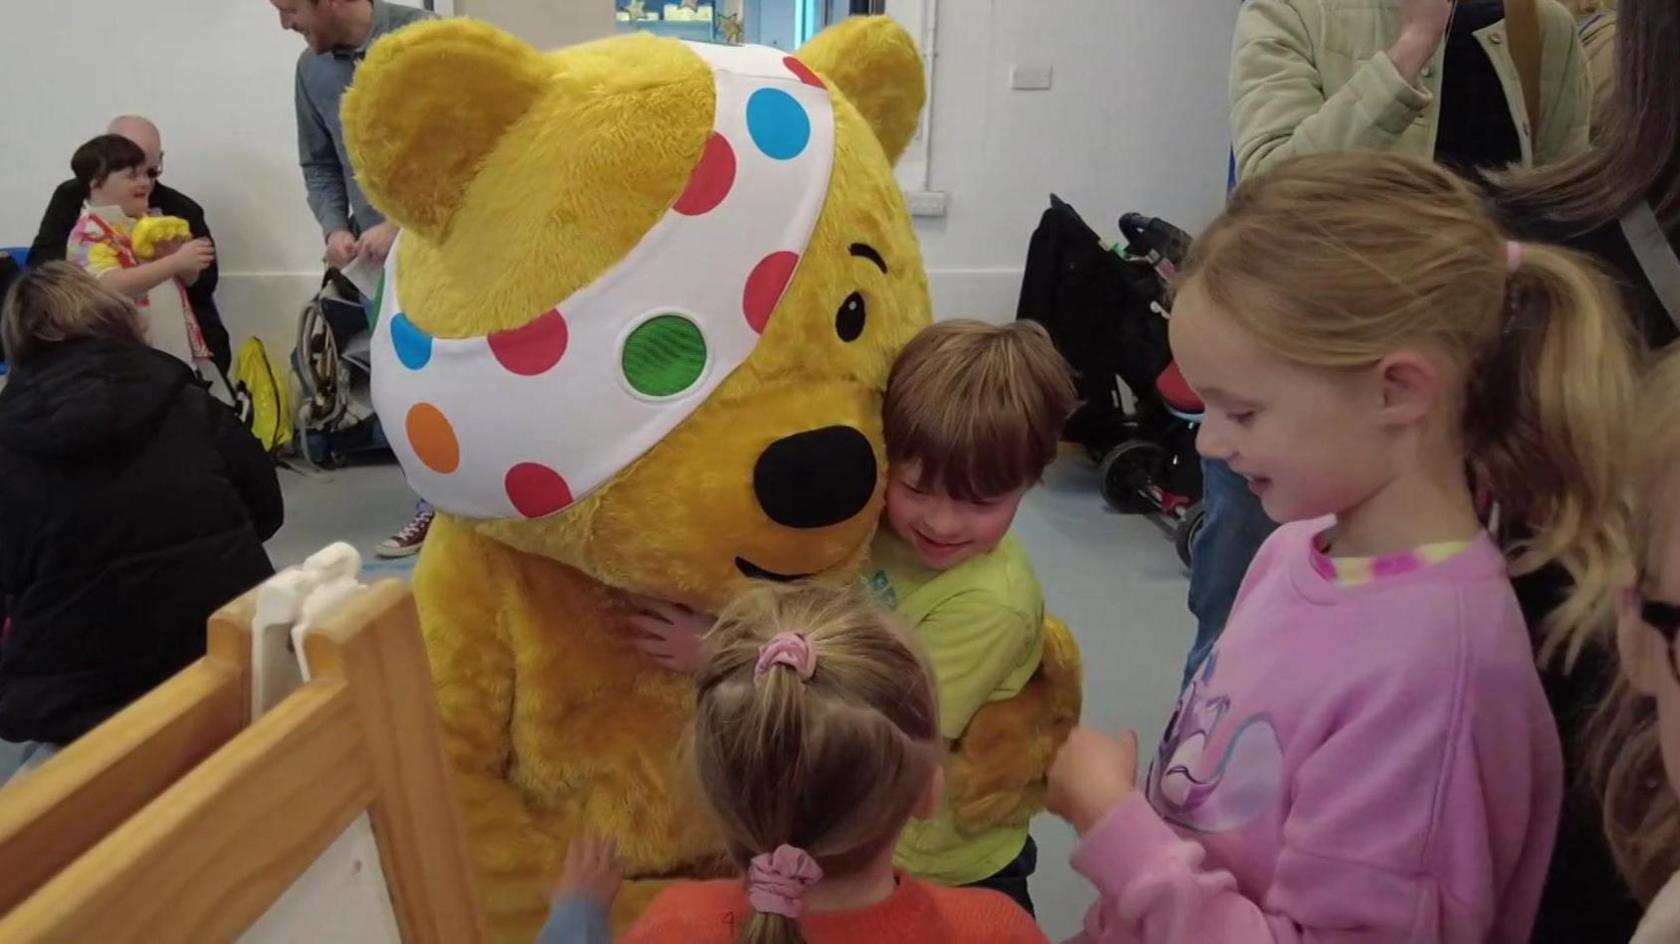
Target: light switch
x=1031 y=78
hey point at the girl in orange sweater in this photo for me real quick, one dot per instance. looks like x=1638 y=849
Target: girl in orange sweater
x=816 y=738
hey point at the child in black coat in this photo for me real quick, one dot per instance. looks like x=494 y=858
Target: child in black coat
x=132 y=506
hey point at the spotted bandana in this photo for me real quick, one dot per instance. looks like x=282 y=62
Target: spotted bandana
x=528 y=421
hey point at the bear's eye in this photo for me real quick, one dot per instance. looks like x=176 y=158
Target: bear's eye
x=848 y=321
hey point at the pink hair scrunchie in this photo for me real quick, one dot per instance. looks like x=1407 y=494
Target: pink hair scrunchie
x=789 y=649
x=776 y=881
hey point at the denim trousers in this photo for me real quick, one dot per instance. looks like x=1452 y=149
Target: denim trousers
x=1235 y=528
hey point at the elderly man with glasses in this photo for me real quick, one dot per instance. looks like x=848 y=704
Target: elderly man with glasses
x=66 y=205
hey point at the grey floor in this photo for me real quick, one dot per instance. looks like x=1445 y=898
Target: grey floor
x=1114 y=579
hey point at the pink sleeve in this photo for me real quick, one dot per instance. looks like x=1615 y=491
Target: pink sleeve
x=1403 y=828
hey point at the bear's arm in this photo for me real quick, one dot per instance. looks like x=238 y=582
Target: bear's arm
x=461 y=587
x=998 y=773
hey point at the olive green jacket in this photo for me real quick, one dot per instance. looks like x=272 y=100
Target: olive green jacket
x=1309 y=76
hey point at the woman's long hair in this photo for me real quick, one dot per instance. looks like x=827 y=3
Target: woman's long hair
x=1638 y=156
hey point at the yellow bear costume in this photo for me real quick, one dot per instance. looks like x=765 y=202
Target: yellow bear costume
x=520 y=178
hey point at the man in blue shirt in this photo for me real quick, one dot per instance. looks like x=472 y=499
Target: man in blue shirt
x=339 y=33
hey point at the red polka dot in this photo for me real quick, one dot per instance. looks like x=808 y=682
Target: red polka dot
x=711 y=181
x=537 y=491
x=765 y=286
x=533 y=348
x=803 y=71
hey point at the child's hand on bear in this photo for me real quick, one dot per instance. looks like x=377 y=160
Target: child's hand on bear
x=673 y=635
x=592 y=871
x=1093 y=774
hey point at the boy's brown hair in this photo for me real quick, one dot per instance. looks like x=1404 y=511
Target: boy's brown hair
x=979 y=406
x=103 y=156
x=59 y=302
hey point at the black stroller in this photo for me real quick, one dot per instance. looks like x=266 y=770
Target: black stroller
x=1106 y=310
x=336 y=423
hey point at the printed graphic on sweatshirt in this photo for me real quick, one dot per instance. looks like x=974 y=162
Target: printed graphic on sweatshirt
x=1215 y=773
x=880 y=585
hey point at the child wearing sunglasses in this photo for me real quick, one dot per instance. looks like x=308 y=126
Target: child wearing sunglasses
x=1637 y=732
x=113 y=168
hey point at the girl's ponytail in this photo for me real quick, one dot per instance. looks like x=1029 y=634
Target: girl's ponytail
x=1548 y=434
x=816 y=734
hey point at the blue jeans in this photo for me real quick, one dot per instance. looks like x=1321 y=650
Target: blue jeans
x=1236 y=526
x=30 y=755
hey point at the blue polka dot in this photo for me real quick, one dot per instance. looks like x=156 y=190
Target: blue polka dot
x=414 y=347
x=778 y=124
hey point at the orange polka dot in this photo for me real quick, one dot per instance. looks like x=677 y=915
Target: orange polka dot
x=433 y=439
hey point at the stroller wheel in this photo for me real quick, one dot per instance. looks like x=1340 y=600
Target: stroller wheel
x=1128 y=472
x=1195 y=518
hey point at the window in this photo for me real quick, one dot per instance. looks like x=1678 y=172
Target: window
x=785 y=24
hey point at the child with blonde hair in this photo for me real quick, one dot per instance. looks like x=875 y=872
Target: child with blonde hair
x=1368 y=754
x=971 y=419
x=1636 y=735
x=816 y=738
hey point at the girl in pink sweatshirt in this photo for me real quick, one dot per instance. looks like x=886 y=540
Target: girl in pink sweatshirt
x=1368 y=755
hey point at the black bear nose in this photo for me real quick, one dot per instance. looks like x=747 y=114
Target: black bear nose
x=815 y=478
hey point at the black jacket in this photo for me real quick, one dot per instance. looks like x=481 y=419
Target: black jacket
x=132 y=506
x=66 y=206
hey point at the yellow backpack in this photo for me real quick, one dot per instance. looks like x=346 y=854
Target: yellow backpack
x=261 y=394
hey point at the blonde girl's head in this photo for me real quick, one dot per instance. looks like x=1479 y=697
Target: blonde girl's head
x=1636 y=736
x=816 y=738
x=1351 y=314
x=58 y=302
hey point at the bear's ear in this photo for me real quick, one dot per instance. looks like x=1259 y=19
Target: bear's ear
x=873 y=62
x=427 y=107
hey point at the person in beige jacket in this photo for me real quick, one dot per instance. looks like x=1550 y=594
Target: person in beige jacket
x=1598 y=38
x=1309 y=76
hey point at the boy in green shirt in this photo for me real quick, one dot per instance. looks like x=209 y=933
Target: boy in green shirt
x=972 y=416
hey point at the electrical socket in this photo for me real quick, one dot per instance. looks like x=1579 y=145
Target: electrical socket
x=1031 y=78
x=927 y=203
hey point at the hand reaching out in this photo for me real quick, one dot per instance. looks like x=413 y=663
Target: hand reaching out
x=193 y=257
x=376 y=243
x=341 y=249
x=1093 y=773
x=1423 y=24
x=592 y=871
x=673 y=635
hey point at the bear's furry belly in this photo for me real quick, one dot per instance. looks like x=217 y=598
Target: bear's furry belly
x=598 y=728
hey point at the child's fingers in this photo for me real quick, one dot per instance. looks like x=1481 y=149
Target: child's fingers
x=649 y=625
x=649 y=604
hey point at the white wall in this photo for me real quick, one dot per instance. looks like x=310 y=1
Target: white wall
x=217 y=77
x=546 y=24
x=1136 y=120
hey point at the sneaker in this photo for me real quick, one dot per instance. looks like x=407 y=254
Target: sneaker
x=407 y=542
